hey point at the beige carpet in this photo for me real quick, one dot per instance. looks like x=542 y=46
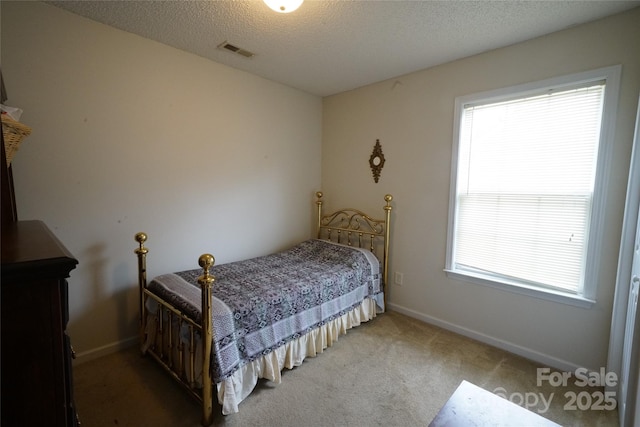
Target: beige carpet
x=392 y=371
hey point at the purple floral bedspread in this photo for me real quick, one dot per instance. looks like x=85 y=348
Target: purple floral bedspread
x=262 y=303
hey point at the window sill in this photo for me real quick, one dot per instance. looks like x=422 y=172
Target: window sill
x=545 y=294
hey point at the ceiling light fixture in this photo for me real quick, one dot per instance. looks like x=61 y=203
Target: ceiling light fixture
x=284 y=6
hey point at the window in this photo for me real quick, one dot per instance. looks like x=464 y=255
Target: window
x=527 y=196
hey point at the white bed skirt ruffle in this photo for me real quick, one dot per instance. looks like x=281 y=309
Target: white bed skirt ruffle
x=236 y=388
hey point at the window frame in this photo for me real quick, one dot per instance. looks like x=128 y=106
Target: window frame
x=586 y=298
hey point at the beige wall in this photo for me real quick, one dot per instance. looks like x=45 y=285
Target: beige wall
x=131 y=135
x=412 y=116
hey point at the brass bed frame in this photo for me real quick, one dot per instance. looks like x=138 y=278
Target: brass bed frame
x=347 y=226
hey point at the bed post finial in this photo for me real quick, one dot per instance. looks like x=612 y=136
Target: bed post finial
x=141 y=238
x=206 y=261
x=319 y=203
x=205 y=281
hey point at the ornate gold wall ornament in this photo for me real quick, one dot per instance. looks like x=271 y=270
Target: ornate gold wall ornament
x=376 y=161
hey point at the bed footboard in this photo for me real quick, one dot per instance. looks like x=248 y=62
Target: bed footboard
x=176 y=357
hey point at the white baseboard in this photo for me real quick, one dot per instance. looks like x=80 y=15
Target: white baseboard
x=105 y=350
x=543 y=359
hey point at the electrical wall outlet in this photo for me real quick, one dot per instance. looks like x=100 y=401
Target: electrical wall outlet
x=398 y=278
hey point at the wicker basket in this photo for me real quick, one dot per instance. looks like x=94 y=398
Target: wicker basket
x=13 y=132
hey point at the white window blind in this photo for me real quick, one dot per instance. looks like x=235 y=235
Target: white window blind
x=526 y=171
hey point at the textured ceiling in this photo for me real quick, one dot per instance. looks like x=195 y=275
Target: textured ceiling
x=327 y=47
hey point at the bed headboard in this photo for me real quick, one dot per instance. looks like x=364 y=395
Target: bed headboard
x=355 y=228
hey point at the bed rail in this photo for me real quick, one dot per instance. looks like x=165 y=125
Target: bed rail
x=350 y=226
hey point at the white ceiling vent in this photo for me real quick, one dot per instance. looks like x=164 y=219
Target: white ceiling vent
x=235 y=49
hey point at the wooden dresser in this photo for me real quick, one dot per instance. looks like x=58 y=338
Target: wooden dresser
x=36 y=378
x=37 y=386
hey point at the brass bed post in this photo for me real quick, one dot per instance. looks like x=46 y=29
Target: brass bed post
x=319 y=203
x=205 y=281
x=387 y=222
x=142 y=280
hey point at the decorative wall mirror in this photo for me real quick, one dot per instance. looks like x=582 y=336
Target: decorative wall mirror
x=376 y=161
